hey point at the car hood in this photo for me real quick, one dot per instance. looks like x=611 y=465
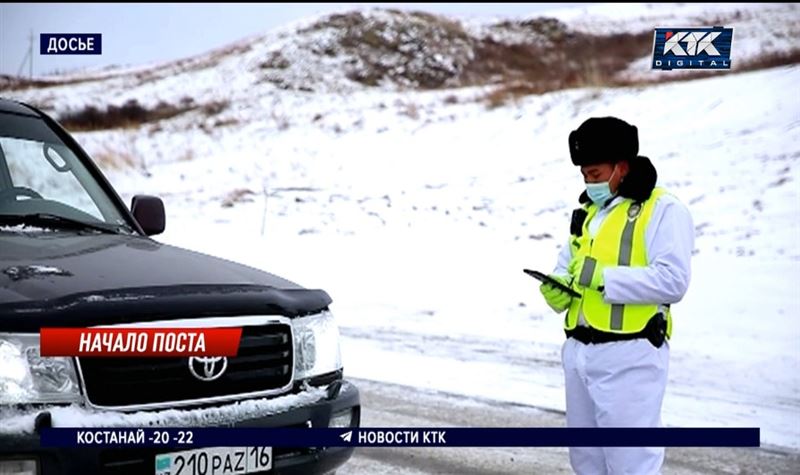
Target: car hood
x=88 y=278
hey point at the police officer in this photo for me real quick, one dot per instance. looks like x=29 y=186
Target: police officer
x=628 y=256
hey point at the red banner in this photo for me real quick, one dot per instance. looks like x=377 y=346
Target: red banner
x=140 y=342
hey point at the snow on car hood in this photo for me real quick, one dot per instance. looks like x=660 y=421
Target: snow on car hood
x=16 y=421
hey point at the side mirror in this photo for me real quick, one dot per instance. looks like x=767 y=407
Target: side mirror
x=149 y=213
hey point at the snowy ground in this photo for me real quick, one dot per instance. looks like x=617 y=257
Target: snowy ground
x=388 y=405
x=419 y=229
x=418 y=210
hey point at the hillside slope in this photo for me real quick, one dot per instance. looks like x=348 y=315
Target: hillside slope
x=416 y=207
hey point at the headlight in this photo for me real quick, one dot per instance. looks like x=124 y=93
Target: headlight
x=316 y=345
x=26 y=377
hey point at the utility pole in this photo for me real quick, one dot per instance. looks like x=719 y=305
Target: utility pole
x=30 y=52
x=28 y=57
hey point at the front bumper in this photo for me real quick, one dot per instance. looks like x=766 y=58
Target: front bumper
x=286 y=461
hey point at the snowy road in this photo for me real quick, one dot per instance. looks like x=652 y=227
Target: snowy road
x=393 y=405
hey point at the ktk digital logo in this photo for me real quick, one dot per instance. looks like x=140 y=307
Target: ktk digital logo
x=692 y=48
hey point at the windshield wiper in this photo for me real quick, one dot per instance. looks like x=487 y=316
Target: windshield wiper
x=53 y=221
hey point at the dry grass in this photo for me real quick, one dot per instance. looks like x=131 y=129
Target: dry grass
x=772 y=60
x=15 y=83
x=130 y=114
x=571 y=60
x=109 y=158
x=513 y=91
x=451 y=99
x=276 y=60
x=226 y=122
x=602 y=74
x=239 y=195
x=282 y=120
x=410 y=110
x=186 y=155
x=215 y=107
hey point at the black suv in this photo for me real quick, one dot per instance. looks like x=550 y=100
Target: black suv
x=72 y=255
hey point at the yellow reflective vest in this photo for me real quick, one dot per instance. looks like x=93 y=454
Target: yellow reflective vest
x=620 y=241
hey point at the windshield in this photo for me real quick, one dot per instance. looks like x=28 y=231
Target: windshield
x=39 y=175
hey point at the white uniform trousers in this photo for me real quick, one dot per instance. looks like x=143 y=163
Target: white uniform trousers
x=616 y=384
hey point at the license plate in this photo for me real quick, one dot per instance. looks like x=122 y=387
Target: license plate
x=215 y=461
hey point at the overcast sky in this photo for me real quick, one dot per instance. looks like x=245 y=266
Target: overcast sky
x=141 y=33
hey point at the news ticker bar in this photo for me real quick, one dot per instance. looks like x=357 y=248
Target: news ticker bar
x=401 y=437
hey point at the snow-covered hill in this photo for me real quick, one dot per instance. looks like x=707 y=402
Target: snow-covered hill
x=416 y=208
x=394 y=49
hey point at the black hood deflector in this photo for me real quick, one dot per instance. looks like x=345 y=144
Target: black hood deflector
x=146 y=304
x=69 y=279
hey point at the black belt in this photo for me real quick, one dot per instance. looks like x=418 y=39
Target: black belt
x=590 y=335
x=655 y=331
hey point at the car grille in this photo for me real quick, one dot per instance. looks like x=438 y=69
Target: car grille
x=264 y=363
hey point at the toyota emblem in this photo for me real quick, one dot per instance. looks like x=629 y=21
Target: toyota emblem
x=207 y=368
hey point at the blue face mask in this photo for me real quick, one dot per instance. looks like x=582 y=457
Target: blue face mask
x=600 y=193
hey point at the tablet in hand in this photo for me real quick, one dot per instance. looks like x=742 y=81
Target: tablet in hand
x=549 y=280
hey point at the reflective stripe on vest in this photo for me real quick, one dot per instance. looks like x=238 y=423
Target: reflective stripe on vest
x=625 y=252
x=620 y=241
